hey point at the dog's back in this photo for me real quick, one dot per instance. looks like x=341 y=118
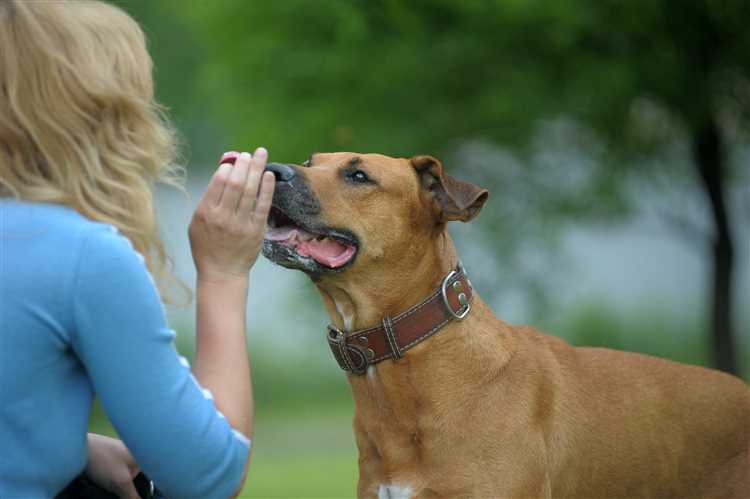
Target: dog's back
x=624 y=425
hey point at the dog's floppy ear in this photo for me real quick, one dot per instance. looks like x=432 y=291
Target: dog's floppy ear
x=457 y=200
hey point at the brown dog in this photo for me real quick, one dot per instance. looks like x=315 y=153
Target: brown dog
x=475 y=407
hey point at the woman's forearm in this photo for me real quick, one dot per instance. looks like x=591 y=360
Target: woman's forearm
x=221 y=361
x=226 y=234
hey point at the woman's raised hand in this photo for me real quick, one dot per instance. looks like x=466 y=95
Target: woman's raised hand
x=229 y=224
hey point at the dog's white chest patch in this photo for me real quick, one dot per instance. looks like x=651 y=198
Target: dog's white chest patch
x=347 y=318
x=394 y=492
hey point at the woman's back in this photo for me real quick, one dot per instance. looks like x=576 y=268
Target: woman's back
x=82 y=143
x=45 y=396
x=79 y=314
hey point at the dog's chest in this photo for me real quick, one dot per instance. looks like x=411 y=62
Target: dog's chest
x=405 y=450
x=399 y=460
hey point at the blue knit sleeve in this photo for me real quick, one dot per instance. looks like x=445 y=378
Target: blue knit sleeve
x=166 y=419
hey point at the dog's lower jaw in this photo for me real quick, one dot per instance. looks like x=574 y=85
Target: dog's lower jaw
x=287 y=257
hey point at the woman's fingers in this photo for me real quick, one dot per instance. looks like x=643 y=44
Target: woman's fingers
x=215 y=189
x=257 y=165
x=265 y=196
x=235 y=184
x=111 y=465
x=228 y=226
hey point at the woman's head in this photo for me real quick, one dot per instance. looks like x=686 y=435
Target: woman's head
x=78 y=120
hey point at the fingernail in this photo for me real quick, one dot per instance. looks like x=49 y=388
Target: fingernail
x=246 y=156
x=261 y=151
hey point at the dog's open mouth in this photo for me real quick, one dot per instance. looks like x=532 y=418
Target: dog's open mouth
x=327 y=247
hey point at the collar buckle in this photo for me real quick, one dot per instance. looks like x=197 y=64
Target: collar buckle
x=350 y=357
x=465 y=307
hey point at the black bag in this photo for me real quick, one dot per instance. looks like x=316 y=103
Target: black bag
x=83 y=488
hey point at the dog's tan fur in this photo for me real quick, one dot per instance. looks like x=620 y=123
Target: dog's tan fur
x=488 y=409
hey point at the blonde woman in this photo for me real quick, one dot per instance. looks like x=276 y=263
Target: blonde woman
x=82 y=144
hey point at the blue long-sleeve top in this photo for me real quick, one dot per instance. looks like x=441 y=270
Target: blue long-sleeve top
x=80 y=316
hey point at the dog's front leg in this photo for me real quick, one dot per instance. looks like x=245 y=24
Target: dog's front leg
x=371 y=473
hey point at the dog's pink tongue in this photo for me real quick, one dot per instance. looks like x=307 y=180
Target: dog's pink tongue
x=326 y=251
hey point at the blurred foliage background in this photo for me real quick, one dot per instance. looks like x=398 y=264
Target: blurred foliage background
x=574 y=114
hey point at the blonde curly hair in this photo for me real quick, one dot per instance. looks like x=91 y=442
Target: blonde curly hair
x=79 y=124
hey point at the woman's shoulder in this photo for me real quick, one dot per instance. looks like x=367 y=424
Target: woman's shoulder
x=36 y=215
x=62 y=233
x=29 y=220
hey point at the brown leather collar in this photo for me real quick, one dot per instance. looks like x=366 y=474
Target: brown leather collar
x=356 y=350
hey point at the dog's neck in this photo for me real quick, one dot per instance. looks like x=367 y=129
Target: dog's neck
x=398 y=402
x=361 y=298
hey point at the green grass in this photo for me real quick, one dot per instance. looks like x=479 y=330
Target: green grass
x=298 y=455
x=321 y=474
x=307 y=454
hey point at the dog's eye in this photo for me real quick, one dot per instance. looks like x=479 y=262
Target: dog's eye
x=359 y=177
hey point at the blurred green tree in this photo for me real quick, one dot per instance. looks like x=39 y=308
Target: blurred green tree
x=618 y=85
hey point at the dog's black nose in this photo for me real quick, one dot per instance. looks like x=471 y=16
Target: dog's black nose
x=282 y=172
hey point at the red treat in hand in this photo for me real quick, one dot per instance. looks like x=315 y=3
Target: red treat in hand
x=229 y=157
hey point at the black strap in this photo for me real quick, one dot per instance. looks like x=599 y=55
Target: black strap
x=83 y=488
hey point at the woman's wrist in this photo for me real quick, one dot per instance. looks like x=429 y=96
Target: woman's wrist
x=225 y=291
x=221 y=302
x=221 y=276
x=218 y=277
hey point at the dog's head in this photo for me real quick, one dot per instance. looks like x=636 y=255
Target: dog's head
x=344 y=211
